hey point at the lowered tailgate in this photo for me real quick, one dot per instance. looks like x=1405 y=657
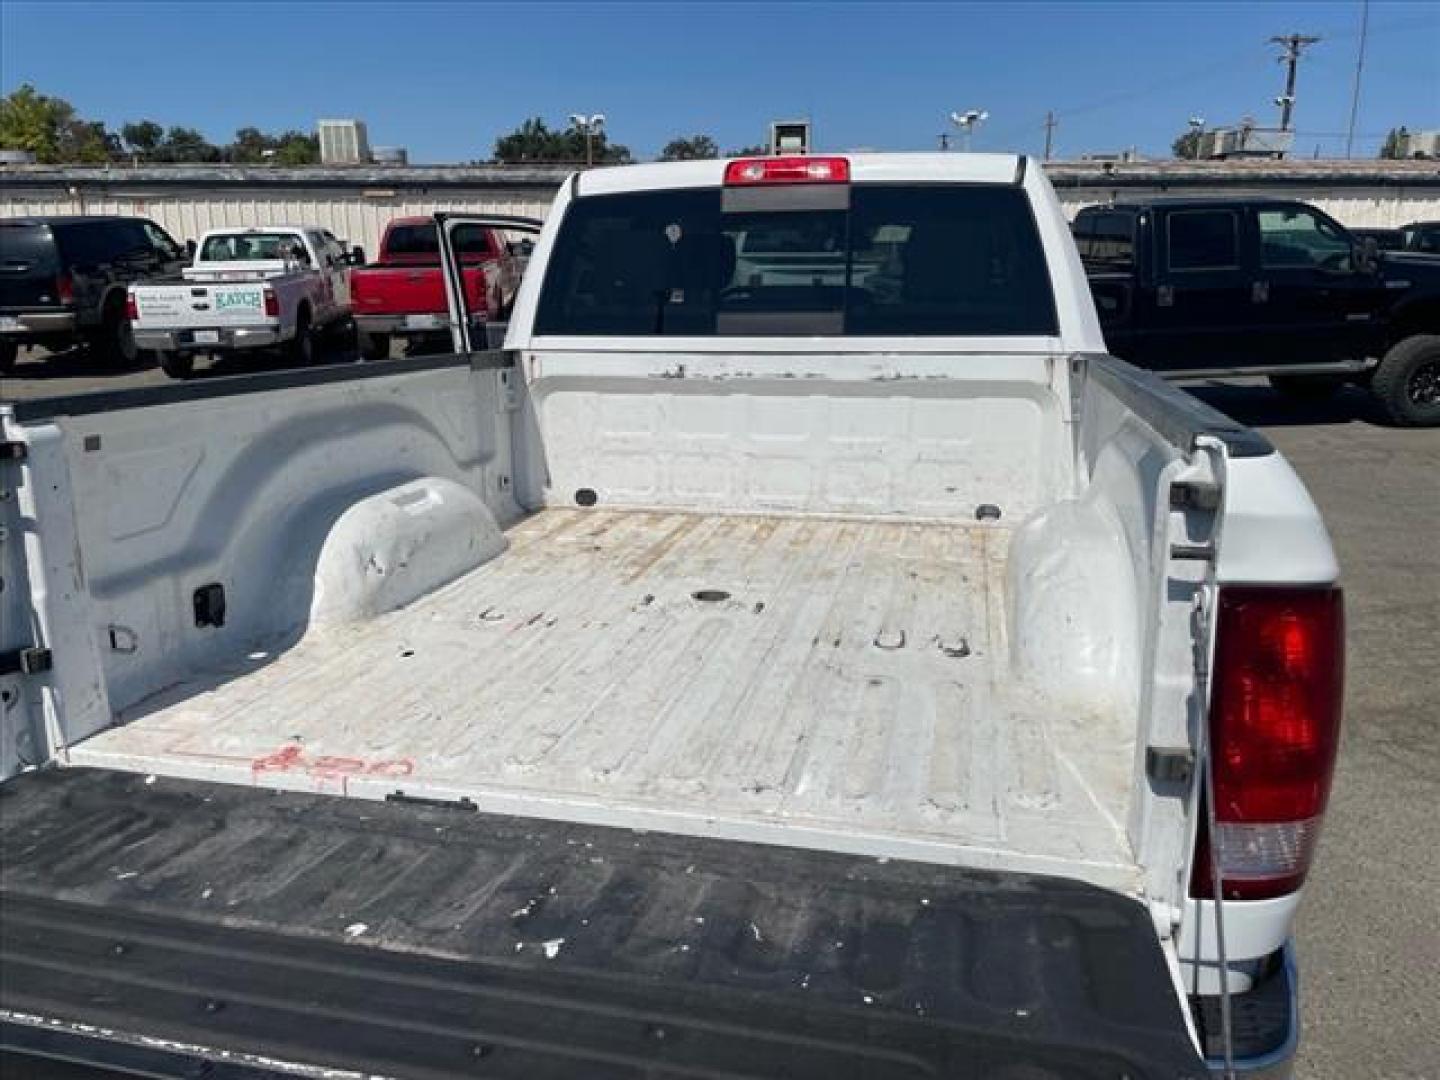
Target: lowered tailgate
x=173 y=925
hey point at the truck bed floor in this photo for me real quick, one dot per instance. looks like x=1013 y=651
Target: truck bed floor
x=827 y=683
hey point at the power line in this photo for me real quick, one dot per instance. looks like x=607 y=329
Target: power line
x=1359 y=69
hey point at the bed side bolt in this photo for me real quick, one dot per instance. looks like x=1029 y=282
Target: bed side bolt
x=1203 y=552
x=1169 y=764
x=1194 y=495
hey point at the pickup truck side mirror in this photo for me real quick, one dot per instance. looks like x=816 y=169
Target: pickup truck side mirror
x=190 y=248
x=357 y=256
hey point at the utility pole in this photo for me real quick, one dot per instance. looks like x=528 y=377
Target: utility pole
x=1359 y=67
x=1294 y=45
x=1050 y=125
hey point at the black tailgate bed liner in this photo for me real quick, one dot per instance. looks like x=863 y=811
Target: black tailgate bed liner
x=175 y=925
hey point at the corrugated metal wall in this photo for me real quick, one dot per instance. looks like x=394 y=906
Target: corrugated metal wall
x=351 y=216
x=360 y=218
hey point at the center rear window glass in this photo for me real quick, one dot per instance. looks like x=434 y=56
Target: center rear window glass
x=412 y=240
x=898 y=260
x=249 y=247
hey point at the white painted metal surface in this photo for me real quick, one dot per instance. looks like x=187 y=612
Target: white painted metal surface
x=847 y=689
x=826 y=701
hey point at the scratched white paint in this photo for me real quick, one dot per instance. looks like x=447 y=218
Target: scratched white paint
x=823 y=695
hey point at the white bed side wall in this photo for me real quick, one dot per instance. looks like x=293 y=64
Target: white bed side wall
x=259 y=493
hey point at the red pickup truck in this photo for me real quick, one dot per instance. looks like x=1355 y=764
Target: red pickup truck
x=402 y=294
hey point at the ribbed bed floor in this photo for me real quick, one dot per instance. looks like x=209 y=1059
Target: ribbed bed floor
x=829 y=683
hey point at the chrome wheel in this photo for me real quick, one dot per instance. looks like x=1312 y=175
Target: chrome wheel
x=1423 y=386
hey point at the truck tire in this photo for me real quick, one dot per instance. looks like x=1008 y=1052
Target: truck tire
x=9 y=351
x=115 y=342
x=300 y=350
x=1307 y=387
x=374 y=346
x=177 y=365
x=1407 y=382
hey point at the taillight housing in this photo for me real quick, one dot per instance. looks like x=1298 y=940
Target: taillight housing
x=787 y=170
x=1275 y=710
x=132 y=309
x=65 y=288
x=272 y=303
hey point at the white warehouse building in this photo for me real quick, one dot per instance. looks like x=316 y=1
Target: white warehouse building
x=356 y=203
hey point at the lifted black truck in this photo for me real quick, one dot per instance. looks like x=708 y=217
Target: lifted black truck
x=1229 y=286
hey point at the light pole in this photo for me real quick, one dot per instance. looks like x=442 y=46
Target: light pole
x=589 y=125
x=968 y=121
x=1197 y=126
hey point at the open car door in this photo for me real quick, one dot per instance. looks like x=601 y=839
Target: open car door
x=466 y=335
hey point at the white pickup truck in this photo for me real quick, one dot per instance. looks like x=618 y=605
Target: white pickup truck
x=254 y=288
x=843 y=674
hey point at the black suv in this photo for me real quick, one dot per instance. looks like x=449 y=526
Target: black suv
x=63 y=281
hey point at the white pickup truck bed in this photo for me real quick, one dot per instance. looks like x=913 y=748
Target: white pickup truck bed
x=843 y=696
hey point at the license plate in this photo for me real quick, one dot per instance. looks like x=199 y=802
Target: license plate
x=7 y=323
x=207 y=337
x=423 y=322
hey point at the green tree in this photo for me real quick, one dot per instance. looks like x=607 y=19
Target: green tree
x=51 y=130
x=187 y=145
x=695 y=148
x=142 y=136
x=748 y=151
x=32 y=121
x=86 y=142
x=1187 y=145
x=249 y=146
x=535 y=141
x=297 y=148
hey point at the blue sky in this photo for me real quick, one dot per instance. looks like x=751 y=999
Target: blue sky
x=445 y=79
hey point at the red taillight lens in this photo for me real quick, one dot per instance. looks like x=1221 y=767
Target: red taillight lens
x=132 y=309
x=272 y=303
x=788 y=170
x=1274 y=730
x=65 y=289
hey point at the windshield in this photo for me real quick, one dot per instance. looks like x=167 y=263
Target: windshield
x=876 y=259
x=249 y=247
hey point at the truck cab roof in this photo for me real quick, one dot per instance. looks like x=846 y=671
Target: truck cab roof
x=1187 y=202
x=864 y=168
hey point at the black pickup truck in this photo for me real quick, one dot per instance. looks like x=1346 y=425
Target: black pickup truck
x=1228 y=286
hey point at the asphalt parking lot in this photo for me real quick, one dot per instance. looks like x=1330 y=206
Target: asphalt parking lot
x=1369 y=935
x=1369 y=938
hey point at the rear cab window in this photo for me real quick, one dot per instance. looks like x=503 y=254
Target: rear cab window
x=1203 y=240
x=854 y=260
x=418 y=243
x=249 y=247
